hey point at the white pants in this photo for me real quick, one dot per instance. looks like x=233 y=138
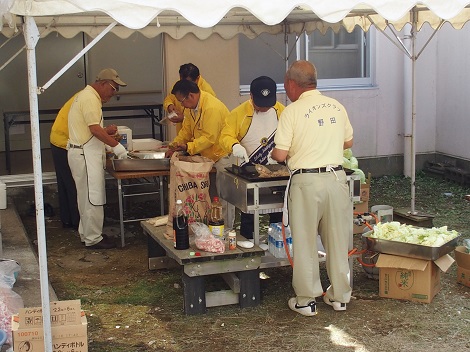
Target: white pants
x=91 y=215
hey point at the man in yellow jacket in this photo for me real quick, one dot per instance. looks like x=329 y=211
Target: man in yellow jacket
x=65 y=184
x=190 y=72
x=205 y=118
x=249 y=135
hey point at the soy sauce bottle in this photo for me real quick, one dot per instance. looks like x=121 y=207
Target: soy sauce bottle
x=216 y=218
x=180 y=227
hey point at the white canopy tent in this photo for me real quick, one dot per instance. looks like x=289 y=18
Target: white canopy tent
x=37 y=18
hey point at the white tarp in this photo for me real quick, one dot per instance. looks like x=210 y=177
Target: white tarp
x=225 y=17
x=203 y=18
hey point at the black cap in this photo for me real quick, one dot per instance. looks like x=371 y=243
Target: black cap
x=263 y=90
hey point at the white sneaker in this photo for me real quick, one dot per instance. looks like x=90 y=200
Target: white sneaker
x=309 y=310
x=336 y=305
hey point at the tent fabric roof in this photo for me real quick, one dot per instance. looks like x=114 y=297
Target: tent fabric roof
x=224 y=17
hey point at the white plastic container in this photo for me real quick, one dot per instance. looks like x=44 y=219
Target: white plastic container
x=146 y=144
x=384 y=212
x=3 y=195
x=126 y=135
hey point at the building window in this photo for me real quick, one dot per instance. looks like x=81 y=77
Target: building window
x=342 y=59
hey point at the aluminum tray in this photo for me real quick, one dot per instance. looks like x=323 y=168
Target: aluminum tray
x=141 y=164
x=147 y=154
x=409 y=249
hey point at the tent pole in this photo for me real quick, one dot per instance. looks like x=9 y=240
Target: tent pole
x=407 y=99
x=78 y=56
x=413 y=110
x=31 y=34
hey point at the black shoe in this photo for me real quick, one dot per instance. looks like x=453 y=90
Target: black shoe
x=105 y=243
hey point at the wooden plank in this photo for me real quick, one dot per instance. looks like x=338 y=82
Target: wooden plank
x=156 y=263
x=222 y=266
x=233 y=281
x=221 y=298
x=184 y=257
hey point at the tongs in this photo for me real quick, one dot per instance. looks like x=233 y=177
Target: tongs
x=131 y=155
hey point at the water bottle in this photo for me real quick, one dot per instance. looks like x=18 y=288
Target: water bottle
x=280 y=252
x=289 y=241
x=180 y=227
x=270 y=238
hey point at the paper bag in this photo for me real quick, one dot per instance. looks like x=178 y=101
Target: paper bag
x=189 y=181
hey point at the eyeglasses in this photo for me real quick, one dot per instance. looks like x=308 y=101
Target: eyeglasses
x=182 y=100
x=114 y=88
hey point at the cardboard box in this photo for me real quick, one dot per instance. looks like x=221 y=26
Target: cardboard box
x=463 y=265
x=365 y=190
x=361 y=207
x=411 y=279
x=68 y=328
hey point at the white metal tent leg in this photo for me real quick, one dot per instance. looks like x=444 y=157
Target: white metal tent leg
x=31 y=35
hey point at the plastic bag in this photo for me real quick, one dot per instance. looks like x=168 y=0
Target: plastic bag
x=204 y=240
x=9 y=270
x=10 y=303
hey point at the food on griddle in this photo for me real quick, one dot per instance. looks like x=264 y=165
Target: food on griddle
x=265 y=172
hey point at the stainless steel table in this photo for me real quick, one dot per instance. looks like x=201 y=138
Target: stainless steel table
x=128 y=175
x=249 y=196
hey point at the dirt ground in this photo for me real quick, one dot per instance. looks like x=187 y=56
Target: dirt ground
x=130 y=308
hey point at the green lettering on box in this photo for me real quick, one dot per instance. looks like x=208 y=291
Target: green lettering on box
x=419 y=296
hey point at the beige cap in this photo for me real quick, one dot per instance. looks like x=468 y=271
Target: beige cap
x=110 y=74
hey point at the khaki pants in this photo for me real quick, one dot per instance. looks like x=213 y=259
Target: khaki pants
x=320 y=203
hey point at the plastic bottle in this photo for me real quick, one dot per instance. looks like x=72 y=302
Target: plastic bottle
x=216 y=218
x=232 y=240
x=180 y=227
x=289 y=241
x=280 y=252
x=270 y=238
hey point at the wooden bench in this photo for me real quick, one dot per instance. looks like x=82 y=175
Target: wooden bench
x=238 y=267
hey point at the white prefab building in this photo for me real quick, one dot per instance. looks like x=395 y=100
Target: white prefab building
x=366 y=71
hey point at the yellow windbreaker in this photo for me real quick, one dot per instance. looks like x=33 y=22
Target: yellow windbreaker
x=171 y=99
x=201 y=130
x=60 y=129
x=239 y=122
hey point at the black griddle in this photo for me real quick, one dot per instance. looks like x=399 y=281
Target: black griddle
x=249 y=173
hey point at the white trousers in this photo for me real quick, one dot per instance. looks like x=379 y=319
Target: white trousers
x=91 y=216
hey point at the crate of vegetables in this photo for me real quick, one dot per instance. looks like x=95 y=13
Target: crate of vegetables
x=411 y=241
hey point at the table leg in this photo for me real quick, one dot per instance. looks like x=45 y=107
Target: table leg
x=162 y=195
x=256 y=215
x=249 y=295
x=194 y=294
x=121 y=215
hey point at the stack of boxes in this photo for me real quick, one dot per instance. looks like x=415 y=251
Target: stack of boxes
x=362 y=206
x=68 y=328
x=463 y=265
